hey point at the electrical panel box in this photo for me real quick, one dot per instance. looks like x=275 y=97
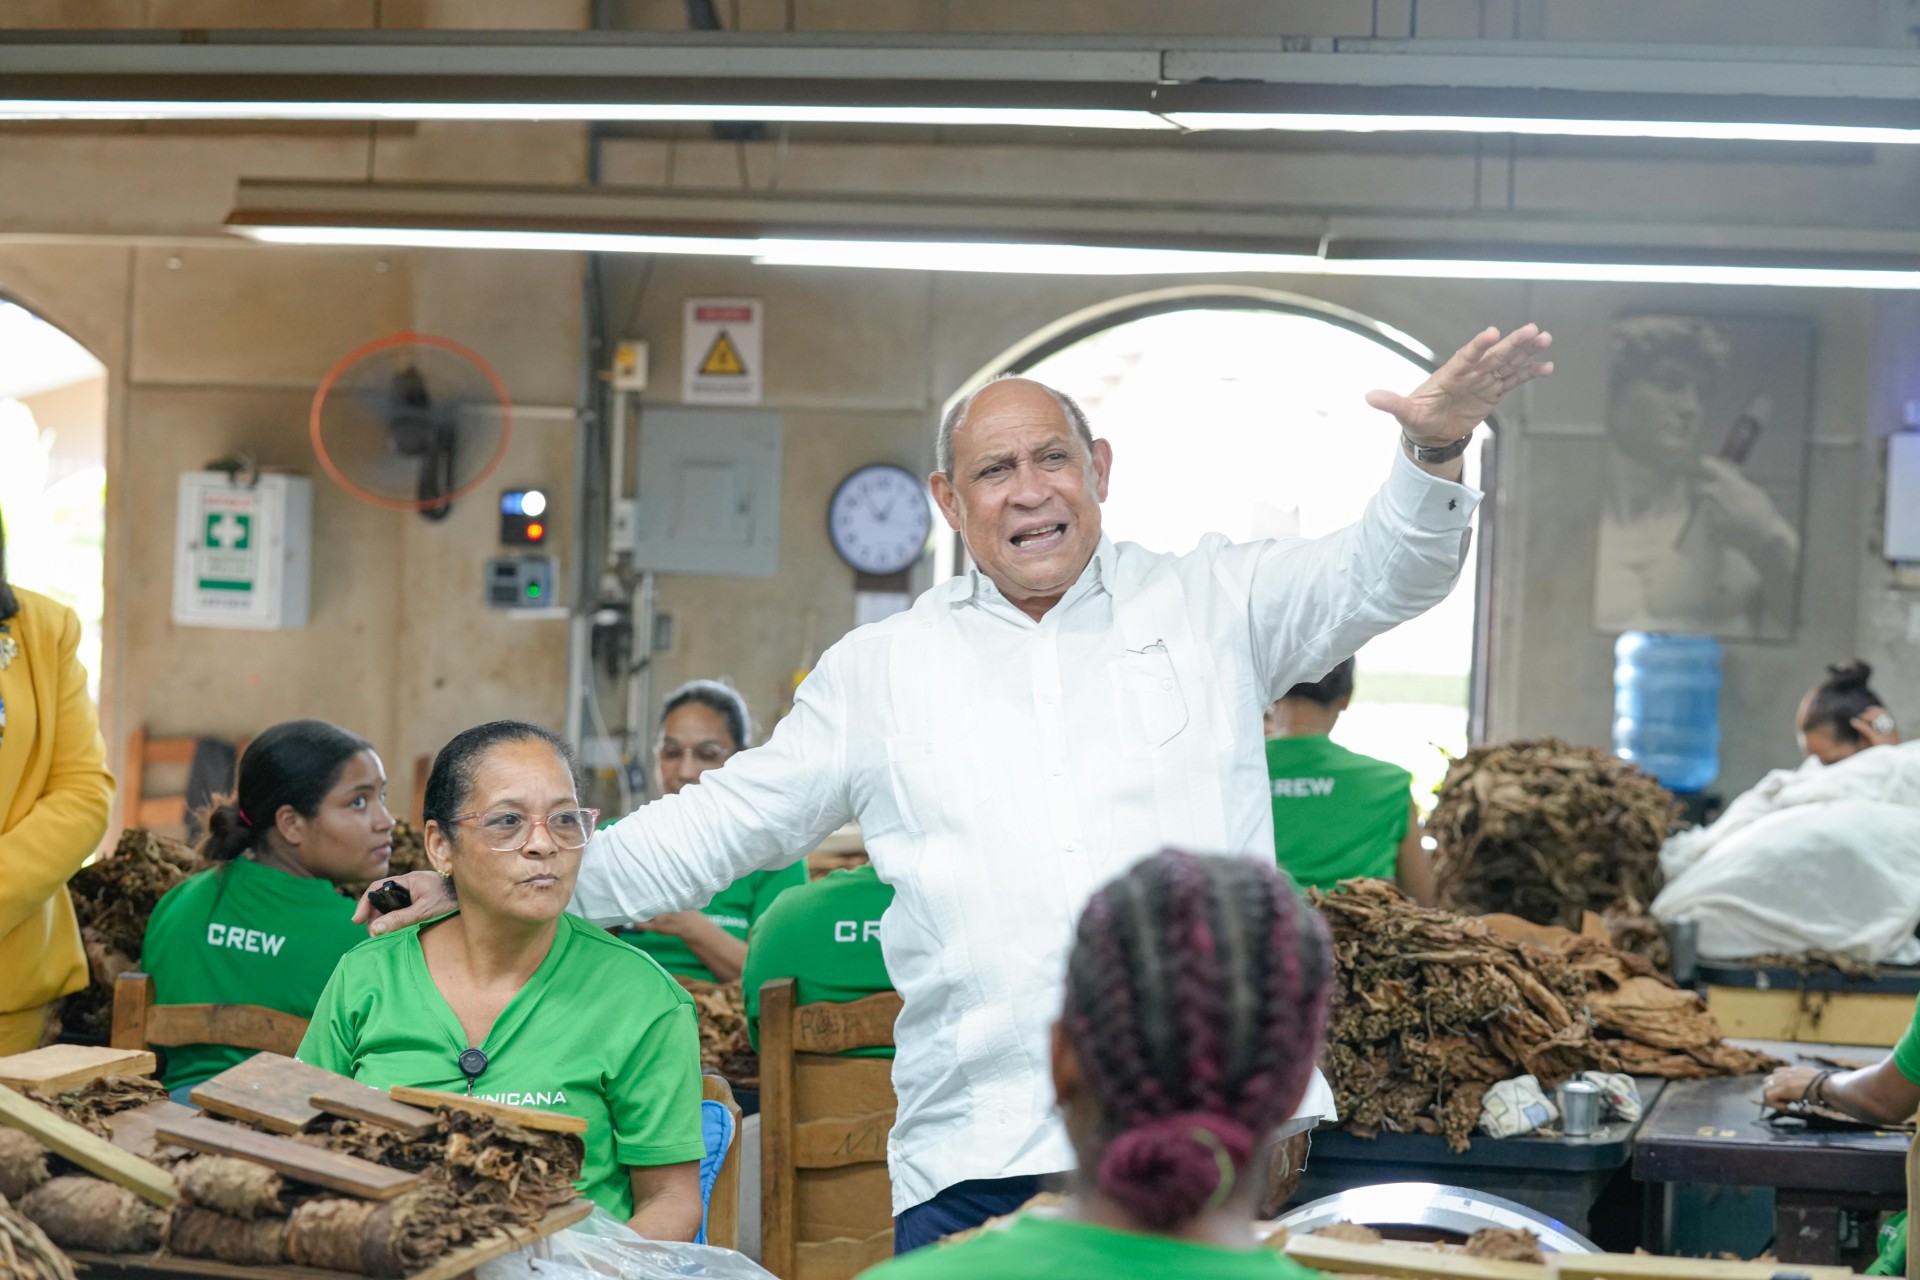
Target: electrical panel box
x=1903 y=497
x=708 y=492
x=244 y=552
x=520 y=582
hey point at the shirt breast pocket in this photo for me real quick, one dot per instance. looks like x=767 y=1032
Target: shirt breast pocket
x=1148 y=699
x=933 y=779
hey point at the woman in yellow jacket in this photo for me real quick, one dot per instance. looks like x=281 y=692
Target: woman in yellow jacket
x=54 y=794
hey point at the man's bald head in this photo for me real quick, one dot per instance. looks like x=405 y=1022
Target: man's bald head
x=957 y=416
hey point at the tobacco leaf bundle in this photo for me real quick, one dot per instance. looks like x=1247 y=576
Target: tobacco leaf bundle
x=90 y=1104
x=113 y=897
x=25 y=1251
x=724 y=1046
x=88 y=1213
x=197 y=1232
x=1548 y=831
x=23 y=1164
x=231 y=1187
x=1432 y=1008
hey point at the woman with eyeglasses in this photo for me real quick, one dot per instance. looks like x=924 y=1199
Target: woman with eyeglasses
x=510 y=999
x=703 y=725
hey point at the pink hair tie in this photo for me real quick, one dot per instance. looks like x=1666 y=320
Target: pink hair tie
x=243 y=817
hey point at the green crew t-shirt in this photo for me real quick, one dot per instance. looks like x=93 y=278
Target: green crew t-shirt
x=598 y=1032
x=1906 y=1054
x=243 y=933
x=1336 y=813
x=1040 y=1248
x=736 y=908
x=825 y=936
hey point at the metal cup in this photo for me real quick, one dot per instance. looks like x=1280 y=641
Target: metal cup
x=1579 y=1108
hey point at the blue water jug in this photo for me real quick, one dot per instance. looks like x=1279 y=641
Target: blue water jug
x=1666 y=707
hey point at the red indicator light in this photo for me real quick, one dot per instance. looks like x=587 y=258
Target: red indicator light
x=535 y=532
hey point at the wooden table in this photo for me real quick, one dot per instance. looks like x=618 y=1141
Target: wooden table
x=1561 y=1177
x=1827 y=1182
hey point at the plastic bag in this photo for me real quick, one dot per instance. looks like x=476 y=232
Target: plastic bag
x=602 y=1245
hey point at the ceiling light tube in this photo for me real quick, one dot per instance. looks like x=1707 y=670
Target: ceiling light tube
x=1683 y=130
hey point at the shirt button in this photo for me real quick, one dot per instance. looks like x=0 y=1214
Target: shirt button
x=1047 y=698
x=1057 y=771
x=1071 y=847
x=1166 y=684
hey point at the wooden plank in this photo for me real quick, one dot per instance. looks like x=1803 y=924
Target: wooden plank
x=779 y=1192
x=838 y=1088
x=1874 y=1018
x=855 y=1201
x=330 y=1169
x=244 y=1026
x=357 y=1101
x=133 y=1130
x=88 y=1150
x=836 y=1028
x=1646 y=1266
x=525 y=1117
x=132 y=997
x=842 y=1256
x=269 y=1090
x=60 y=1067
x=1404 y=1260
x=457 y=1263
x=831 y=1143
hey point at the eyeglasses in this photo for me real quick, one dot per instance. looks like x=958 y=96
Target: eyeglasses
x=505 y=831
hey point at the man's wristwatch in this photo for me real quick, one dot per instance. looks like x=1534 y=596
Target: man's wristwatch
x=1433 y=455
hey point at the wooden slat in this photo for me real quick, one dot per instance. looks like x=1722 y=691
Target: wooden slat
x=723 y=1204
x=132 y=997
x=831 y=1144
x=840 y=1088
x=244 y=1026
x=60 y=1067
x=88 y=1150
x=170 y=750
x=357 y=1101
x=268 y=1090
x=458 y=1263
x=854 y=1201
x=133 y=1130
x=317 y=1165
x=1647 y=1266
x=836 y=1028
x=841 y=1256
x=525 y=1117
x=1402 y=1260
x=161 y=811
x=778 y=1176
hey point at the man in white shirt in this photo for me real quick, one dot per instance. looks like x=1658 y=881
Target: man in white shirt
x=1026 y=732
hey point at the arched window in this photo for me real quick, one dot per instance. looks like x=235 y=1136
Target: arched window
x=53 y=474
x=1242 y=412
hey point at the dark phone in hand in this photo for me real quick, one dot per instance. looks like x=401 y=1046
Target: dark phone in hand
x=390 y=896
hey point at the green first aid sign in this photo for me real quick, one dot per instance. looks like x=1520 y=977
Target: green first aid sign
x=229 y=531
x=226 y=550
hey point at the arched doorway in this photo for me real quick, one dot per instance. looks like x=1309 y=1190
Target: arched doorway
x=53 y=474
x=1241 y=411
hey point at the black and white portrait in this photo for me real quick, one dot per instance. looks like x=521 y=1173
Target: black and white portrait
x=1707 y=423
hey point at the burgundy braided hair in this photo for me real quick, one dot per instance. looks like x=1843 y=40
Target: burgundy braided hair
x=1196 y=999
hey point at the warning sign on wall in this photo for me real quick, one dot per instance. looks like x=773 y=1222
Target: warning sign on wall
x=720 y=351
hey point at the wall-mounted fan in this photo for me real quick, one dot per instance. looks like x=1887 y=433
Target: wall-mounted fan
x=411 y=422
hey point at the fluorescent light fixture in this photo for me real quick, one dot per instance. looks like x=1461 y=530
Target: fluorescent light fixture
x=1696 y=130
x=604 y=112
x=1018 y=258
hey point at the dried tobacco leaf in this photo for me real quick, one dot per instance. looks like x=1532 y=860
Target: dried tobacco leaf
x=113 y=897
x=25 y=1251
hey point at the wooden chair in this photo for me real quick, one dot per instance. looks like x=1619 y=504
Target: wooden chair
x=826 y=1205
x=139 y=1023
x=165 y=812
x=723 y=1206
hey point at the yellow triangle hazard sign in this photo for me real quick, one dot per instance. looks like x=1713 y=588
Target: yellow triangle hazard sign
x=723 y=358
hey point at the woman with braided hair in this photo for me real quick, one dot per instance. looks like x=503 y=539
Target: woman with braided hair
x=1196 y=999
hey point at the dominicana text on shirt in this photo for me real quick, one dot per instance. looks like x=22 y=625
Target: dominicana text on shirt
x=234 y=938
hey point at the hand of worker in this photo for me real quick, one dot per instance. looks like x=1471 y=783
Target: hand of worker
x=1462 y=392
x=674 y=924
x=1787 y=1086
x=1876 y=726
x=432 y=896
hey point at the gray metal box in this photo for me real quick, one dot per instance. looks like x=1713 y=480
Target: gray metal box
x=708 y=492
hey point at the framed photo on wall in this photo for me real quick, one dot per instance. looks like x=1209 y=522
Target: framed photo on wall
x=1705 y=475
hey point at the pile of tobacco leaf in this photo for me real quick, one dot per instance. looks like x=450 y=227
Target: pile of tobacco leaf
x=1548 y=831
x=724 y=1046
x=112 y=898
x=1432 y=1008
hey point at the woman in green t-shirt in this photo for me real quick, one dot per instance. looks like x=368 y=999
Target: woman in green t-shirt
x=1196 y=1000
x=267 y=923
x=513 y=1000
x=704 y=724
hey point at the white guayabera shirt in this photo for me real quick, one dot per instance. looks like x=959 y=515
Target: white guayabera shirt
x=1003 y=769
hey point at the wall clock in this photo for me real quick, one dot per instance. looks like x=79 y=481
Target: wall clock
x=879 y=519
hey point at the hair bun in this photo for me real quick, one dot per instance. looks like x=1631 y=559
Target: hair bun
x=228 y=834
x=1166 y=1171
x=1849 y=675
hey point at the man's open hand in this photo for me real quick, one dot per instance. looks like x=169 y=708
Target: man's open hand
x=432 y=897
x=1462 y=392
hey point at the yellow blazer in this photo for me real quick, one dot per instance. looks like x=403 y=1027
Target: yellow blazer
x=54 y=795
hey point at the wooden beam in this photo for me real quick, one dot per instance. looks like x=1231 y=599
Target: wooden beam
x=244 y=1026
x=1398 y=1259
x=836 y=1028
x=268 y=1089
x=357 y=1101
x=88 y=1150
x=317 y=1165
